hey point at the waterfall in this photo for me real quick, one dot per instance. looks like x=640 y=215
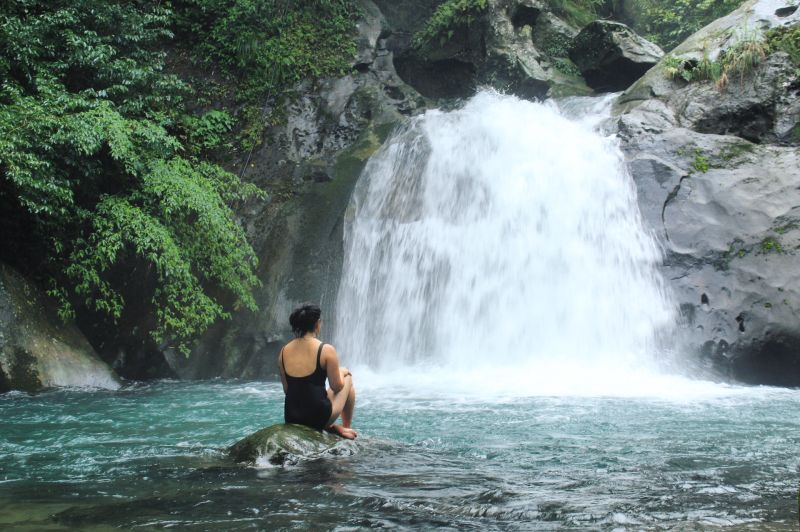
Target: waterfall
x=502 y=236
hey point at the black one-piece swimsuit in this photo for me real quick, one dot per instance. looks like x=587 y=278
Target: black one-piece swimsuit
x=307 y=400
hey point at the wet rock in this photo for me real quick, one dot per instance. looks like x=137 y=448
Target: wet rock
x=515 y=46
x=37 y=350
x=308 y=165
x=288 y=445
x=762 y=108
x=611 y=56
x=717 y=182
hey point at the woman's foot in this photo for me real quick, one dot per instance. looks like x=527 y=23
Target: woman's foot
x=344 y=432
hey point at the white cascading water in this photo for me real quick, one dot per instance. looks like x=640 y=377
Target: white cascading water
x=500 y=246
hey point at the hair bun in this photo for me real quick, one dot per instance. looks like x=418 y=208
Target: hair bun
x=304 y=318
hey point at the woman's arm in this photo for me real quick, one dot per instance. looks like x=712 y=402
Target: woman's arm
x=283 y=374
x=331 y=363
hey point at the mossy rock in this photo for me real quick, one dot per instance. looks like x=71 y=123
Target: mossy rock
x=37 y=349
x=285 y=444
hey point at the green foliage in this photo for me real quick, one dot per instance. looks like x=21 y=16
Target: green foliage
x=101 y=168
x=209 y=131
x=786 y=39
x=557 y=45
x=448 y=17
x=736 y=62
x=700 y=163
x=267 y=46
x=667 y=23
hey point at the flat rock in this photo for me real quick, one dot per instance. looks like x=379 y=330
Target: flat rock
x=285 y=444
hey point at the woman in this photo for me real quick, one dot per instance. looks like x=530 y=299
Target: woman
x=305 y=363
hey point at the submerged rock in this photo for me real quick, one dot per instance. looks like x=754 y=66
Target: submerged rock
x=611 y=56
x=38 y=350
x=717 y=180
x=284 y=444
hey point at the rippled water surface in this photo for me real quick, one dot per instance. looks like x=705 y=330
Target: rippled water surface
x=151 y=457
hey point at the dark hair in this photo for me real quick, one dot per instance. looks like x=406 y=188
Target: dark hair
x=304 y=318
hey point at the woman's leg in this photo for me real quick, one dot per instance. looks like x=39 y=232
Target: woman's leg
x=349 y=407
x=343 y=403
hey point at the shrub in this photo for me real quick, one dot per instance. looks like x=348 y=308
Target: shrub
x=738 y=61
x=786 y=39
x=268 y=45
x=105 y=198
x=449 y=16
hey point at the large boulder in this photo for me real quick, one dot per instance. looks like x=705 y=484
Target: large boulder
x=717 y=177
x=288 y=445
x=38 y=350
x=516 y=46
x=611 y=56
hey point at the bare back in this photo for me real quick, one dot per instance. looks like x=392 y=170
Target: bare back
x=300 y=357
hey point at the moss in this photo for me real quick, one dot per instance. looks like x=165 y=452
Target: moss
x=700 y=163
x=771 y=245
x=783 y=229
x=736 y=250
x=283 y=444
x=556 y=45
x=733 y=152
x=317 y=251
x=576 y=12
x=567 y=67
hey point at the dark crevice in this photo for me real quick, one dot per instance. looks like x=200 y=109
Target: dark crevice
x=671 y=196
x=448 y=78
x=525 y=16
x=785 y=11
x=772 y=361
x=754 y=124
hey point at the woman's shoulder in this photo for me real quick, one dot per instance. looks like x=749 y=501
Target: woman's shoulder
x=328 y=351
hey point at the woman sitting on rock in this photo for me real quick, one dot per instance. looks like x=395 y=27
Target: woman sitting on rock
x=305 y=363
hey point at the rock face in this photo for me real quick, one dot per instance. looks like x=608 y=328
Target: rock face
x=309 y=166
x=38 y=351
x=611 y=56
x=717 y=173
x=516 y=46
x=289 y=445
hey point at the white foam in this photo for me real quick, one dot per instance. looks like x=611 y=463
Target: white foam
x=490 y=384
